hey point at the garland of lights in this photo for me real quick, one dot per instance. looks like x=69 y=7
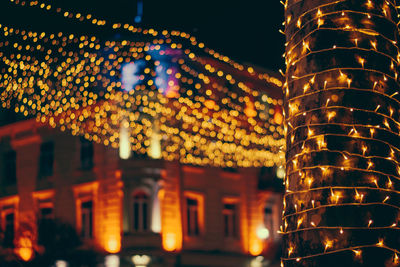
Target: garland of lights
x=74 y=82
x=79 y=17
x=341 y=206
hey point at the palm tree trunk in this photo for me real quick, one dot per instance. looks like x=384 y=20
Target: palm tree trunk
x=342 y=106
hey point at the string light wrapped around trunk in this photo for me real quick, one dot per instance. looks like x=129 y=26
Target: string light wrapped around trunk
x=341 y=206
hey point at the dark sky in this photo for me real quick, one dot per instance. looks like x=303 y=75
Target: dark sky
x=246 y=30
x=243 y=30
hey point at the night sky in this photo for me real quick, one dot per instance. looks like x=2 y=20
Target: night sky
x=246 y=31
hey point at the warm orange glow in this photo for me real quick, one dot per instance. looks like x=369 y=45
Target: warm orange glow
x=171 y=222
x=249 y=110
x=113 y=244
x=200 y=201
x=380 y=243
x=110 y=218
x=256 y=247
x=44 y=194
x=169 y=241
x=328 y=244
x=251 y=225
x=210 y=104
x=278 y=117
x=12 y=202
x=25 y=251
x=83 y=192
x=396 y=259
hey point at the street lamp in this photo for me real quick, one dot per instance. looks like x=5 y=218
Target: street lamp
x=262 y=232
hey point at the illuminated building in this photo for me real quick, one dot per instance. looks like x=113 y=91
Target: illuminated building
x=158 y=153
x=342 y=113
x=135 y=206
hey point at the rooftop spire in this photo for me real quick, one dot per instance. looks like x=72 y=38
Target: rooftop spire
x=139 y=15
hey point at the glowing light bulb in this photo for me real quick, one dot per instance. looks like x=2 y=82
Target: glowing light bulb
x=290 y=251
x=280 y=172
x=111 y=261
x=263 y=232
x=357 y=252
x=328 y=244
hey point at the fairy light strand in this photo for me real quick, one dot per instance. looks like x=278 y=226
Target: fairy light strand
x=342 y=129
x=74 y=83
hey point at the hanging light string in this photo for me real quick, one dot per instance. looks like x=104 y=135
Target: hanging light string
x=73 y=82
x=101 y=22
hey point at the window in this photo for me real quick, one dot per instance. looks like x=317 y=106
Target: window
x=86 y=154
x=192 y=216
x=46 y=213
x=46 y=159
x=87 y=219
x=45 y=224
x=44 y=204
x=10 y=167
x=140 y=212
x=85 y=205
x=8 y=240
x=230 y=220
x=8 y=220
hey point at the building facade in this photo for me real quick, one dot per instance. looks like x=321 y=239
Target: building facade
x=110 y=164
x=149 y=212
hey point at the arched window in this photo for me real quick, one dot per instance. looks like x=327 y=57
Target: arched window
x=140 y=211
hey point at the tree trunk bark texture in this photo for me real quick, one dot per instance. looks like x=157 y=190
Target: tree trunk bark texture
x=342 y=107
